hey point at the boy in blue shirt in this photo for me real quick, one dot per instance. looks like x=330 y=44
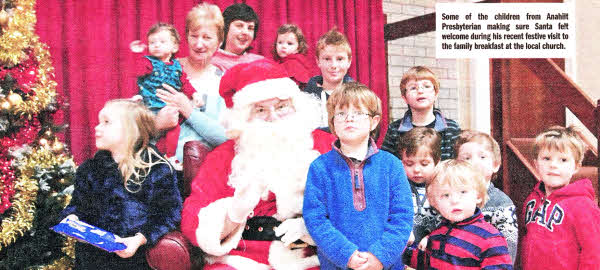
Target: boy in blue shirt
x=357 y=203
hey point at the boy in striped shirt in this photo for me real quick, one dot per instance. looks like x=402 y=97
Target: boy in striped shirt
x=464 y=240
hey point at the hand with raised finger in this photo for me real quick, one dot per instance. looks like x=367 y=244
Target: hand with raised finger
x=137 y=46
x=244 y=201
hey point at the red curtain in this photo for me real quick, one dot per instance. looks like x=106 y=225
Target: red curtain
x=89 y=44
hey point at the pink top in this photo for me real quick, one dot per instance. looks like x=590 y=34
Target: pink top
x=225 y=60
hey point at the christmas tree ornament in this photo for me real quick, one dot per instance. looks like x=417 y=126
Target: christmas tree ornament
x=44 y=142
x=14 y=99
x=4 y=18
x=5 y=105
x=57 y=147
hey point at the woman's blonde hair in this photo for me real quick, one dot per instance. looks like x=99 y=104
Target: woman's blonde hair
x=455 y=173
x=205 y=13
x=139 y=128
x=561 y=139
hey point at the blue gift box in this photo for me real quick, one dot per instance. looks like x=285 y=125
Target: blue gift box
x=89 y=234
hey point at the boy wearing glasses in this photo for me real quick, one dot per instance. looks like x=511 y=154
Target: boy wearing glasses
x=420 y=89
x=357 y=203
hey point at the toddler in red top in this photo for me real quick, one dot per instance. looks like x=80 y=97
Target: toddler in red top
x=289 y=49
x=562 y=221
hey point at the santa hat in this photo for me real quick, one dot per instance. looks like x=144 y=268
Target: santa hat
x=256 y=81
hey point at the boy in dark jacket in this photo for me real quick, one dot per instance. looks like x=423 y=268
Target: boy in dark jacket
x=420 y=89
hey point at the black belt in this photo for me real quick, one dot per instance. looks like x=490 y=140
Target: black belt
x=262 y=228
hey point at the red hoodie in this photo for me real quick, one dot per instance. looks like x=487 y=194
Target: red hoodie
x=562 y=230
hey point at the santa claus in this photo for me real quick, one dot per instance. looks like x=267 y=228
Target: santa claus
x=245 y=209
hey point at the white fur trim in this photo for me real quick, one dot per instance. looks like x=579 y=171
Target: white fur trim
x=284 y=258
x=238 y=262
x=211 y=221
x=282 y=88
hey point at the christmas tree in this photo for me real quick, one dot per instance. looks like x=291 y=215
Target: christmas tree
x=36 y=170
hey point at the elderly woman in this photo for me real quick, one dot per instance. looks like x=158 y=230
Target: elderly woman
x=204 y=33
x=241 y=25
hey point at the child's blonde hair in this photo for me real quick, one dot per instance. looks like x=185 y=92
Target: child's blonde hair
x=418 y=73
x=456 y=173
x=205 y=13
x=357 y=94
x=294 y=29
x=334 y=38
x=484 y=139
x=561 y=139
x=413 y=140
x=161 y=26
x=139 y=128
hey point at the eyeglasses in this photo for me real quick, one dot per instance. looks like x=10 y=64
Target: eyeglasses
x=279 y=109
x=424 y=87
x=356 y=116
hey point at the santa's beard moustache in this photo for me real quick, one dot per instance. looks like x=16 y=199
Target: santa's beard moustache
x=278 y=151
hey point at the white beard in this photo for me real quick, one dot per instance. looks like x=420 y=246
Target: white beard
x=279 y=154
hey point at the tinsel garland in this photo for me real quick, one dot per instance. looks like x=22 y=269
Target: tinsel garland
x=25 y=135
x=19 y=34
x=22 y=212
x=65 y=262
x=44 y=86
x=7 y=184
x=24 y=73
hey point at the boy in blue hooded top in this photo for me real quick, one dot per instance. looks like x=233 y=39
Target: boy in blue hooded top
x=372 y=229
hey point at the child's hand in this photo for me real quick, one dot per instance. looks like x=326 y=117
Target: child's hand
x=372 y=262
x=356 y=260
x=197 y=100
x=137 y=98
x=137 y=46
x=71 y=217
x=423 y=244
x=132 y=243
x=411 y=239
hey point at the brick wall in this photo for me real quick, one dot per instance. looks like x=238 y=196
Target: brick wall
x=418 y=50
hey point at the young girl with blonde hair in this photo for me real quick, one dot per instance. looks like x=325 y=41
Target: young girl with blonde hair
x=127 y=188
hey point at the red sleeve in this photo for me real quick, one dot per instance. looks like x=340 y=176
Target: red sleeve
x=186 y=86
x=585 y=222
x=322 y=140
x=298 y=67
x=142 y=65
x=209 y=185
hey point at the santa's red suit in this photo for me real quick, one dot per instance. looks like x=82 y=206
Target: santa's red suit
x=206 y=209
